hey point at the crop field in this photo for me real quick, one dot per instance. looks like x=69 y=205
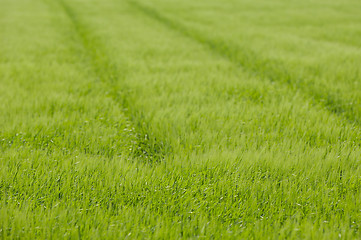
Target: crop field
x=182 y=119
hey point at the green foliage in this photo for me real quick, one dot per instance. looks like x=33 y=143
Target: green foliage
x=180 y=119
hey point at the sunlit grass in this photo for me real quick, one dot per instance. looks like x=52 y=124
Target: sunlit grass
x=166 y=120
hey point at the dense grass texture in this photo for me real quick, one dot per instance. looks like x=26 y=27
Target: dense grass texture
x=134 y=119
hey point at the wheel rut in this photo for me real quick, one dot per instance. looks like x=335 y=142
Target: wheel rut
x=146 y=147
x=248 y=61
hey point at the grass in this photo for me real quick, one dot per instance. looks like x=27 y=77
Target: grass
x=183 y=119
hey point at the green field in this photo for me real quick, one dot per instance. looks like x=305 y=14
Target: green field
x=158 y=119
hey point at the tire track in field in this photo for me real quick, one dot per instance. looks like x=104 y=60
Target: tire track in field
x=147 y=147
x=263 y=68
